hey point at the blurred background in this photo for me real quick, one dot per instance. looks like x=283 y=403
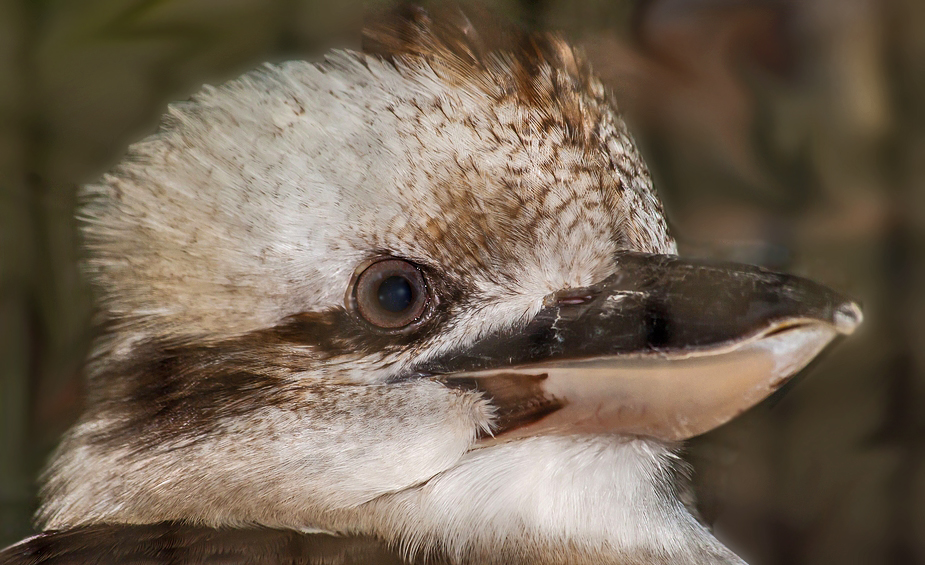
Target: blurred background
x=789 y=134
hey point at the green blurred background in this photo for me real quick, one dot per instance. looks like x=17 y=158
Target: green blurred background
x=784 y=133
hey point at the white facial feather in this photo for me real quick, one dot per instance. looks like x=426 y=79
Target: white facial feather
x=346 y=445
x=258 y=198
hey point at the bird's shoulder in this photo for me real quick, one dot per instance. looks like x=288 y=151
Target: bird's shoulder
x=179 y=544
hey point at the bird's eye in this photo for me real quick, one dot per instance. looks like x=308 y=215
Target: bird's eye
x=391 y=294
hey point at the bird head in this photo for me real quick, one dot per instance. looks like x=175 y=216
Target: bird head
x=425 y=292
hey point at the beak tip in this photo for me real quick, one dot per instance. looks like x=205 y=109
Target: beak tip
x=847 y=318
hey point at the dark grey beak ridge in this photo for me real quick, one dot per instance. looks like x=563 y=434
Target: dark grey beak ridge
x=658 y=304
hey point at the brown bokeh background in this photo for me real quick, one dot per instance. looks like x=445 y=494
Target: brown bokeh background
x=784 y=133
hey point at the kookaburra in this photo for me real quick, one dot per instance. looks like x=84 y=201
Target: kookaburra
x=423 y=294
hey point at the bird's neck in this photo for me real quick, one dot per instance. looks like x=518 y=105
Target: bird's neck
x=597 y=499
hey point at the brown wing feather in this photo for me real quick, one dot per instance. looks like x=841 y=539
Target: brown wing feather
x=178 y=544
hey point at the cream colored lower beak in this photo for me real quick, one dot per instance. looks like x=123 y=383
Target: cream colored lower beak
x=664 y=396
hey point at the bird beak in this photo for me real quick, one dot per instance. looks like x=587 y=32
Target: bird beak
x=666 y=347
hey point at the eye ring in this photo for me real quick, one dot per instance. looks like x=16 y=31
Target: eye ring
x=391 y=295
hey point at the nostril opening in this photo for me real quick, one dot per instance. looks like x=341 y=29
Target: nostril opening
x=574 y=296
x=847 y=317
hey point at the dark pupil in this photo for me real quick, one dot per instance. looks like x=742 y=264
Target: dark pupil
x=395 y=294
